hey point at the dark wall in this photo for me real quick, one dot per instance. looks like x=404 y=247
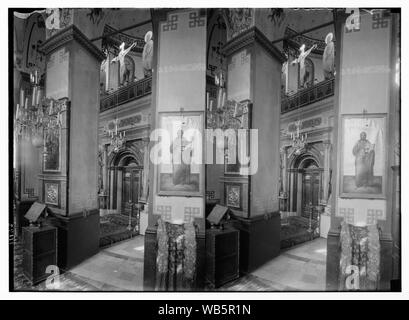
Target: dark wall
x=259 y=240
x=78 y=237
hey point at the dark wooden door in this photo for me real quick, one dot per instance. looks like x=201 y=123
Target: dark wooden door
x=310 y=192
x=130 y=191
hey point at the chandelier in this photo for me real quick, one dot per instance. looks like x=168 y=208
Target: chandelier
x=298 y=140
x=229 y=114
x=117 y=138
x=225 y=114
x=40 y=115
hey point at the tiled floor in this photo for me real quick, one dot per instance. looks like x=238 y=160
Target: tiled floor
x=116 y=268
x=120 y=268
x=301 y=268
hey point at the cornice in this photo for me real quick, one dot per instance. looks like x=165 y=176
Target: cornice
x=67 y=35
x=248 y=38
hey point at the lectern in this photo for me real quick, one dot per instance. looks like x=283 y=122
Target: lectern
x=222 y=249
x=39 y=251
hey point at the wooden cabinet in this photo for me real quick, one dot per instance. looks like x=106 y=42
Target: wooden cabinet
x=39 y=251
x=222 y=256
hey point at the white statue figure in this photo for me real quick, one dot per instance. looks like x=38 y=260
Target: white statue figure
x=147 y=55
x=301 y=61
x=328 y=57
x=123 y=71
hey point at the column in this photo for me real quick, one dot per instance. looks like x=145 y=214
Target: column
x=119 y=177
x=105 y=170
x=254 y=74
x=363 y=104
x=178 y=103
x=144 y=214
x=111 y=189
x=327 y=167
x=72 y=72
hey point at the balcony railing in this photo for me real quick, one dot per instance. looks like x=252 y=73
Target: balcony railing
x=307 y=96
x=133 y=91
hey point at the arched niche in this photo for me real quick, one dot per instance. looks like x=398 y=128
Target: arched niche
x=216 y=39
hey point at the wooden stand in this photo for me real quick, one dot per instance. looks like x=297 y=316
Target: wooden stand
x=39 y=251
x=222 y=256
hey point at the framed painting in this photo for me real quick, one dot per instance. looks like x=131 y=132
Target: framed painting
x=181 y=169
x=242 y=153
x=52 y=193
x=363 y=156
x=52 y=151
x=232 y=168
x=233 y=194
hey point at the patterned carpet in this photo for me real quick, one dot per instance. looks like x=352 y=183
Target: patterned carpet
x=296 y=232
x=114 y=228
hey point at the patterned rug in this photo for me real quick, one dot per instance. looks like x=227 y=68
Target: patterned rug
x=296 y=232
x=114 y=228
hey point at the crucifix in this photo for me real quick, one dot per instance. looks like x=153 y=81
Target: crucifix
x=124 y=71
x=301 y=61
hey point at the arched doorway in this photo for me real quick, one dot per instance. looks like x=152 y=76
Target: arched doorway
x=125 y=181
x=131 y=185
x=310 y=188
x=305 y=185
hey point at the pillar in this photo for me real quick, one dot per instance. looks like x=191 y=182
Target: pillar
x=364 y=90
x=72 y=72
x=119 y=179
x=254 y=74
x=178 y=89
x=327 y=166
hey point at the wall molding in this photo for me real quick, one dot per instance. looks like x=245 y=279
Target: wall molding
x=67 y=35
x=249 y=37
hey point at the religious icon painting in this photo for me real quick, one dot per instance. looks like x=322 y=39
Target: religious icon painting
x=52 y=151
x=181 y=149
x=233 y=196
x=52 y=193
x=363 y=156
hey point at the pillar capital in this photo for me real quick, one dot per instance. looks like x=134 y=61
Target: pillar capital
x=248 y=38
x=67 y=35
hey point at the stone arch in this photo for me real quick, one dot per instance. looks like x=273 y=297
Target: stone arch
x=117 y=159
x=309 y=153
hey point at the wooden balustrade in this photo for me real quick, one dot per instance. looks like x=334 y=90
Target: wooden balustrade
x=132 y=91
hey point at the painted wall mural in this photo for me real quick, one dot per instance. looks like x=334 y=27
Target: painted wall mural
x=52 y=151
x=183 y=174
x=363 y=156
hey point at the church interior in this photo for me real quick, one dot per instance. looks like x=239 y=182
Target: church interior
x=286 y=122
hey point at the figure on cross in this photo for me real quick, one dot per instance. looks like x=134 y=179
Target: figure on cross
x=124 y=71
x=301 y=61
